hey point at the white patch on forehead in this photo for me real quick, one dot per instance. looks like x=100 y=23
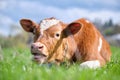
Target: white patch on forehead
x=90 y=64
x=87 y=21
x=48 y=23
x=100 y=44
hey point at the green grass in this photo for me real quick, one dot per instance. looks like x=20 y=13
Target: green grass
x=17 y=65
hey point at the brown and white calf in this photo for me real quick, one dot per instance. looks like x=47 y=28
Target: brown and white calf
x=78 y=41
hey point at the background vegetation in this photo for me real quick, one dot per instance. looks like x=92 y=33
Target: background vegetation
x=16 y=64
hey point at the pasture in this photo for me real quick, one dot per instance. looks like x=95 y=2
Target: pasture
x=16 y=64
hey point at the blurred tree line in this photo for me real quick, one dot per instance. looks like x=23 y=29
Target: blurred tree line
x=107 y=28
x=19 y=38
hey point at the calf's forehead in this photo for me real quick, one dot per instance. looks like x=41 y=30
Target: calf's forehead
x=47 y=23
x=55 y=28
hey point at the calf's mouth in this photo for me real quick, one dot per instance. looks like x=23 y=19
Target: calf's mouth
x=39 y=57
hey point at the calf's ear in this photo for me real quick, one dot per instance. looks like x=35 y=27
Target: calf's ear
x=28 y=25
x=72 y=28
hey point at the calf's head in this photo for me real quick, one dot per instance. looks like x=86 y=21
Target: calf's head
x=50 y=38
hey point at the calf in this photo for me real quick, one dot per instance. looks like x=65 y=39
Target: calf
x=79 y=41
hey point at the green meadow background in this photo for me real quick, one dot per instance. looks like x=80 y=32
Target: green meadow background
x=16 y=64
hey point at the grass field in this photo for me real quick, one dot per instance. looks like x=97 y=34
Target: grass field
x=17 y=65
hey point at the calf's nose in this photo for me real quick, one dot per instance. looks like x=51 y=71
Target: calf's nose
x=37 y=46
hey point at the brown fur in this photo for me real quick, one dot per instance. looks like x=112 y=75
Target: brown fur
x=88 y=43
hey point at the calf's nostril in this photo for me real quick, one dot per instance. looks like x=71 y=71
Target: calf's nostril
x=40 y=47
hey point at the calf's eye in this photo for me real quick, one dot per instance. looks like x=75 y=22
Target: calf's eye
x=57 y=35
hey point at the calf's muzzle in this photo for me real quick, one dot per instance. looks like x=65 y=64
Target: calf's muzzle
x=36 y=47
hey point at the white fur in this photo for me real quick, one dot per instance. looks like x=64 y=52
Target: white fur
x=100 y=44
x=90 y=64
x=48 y=23
x=87 y=21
